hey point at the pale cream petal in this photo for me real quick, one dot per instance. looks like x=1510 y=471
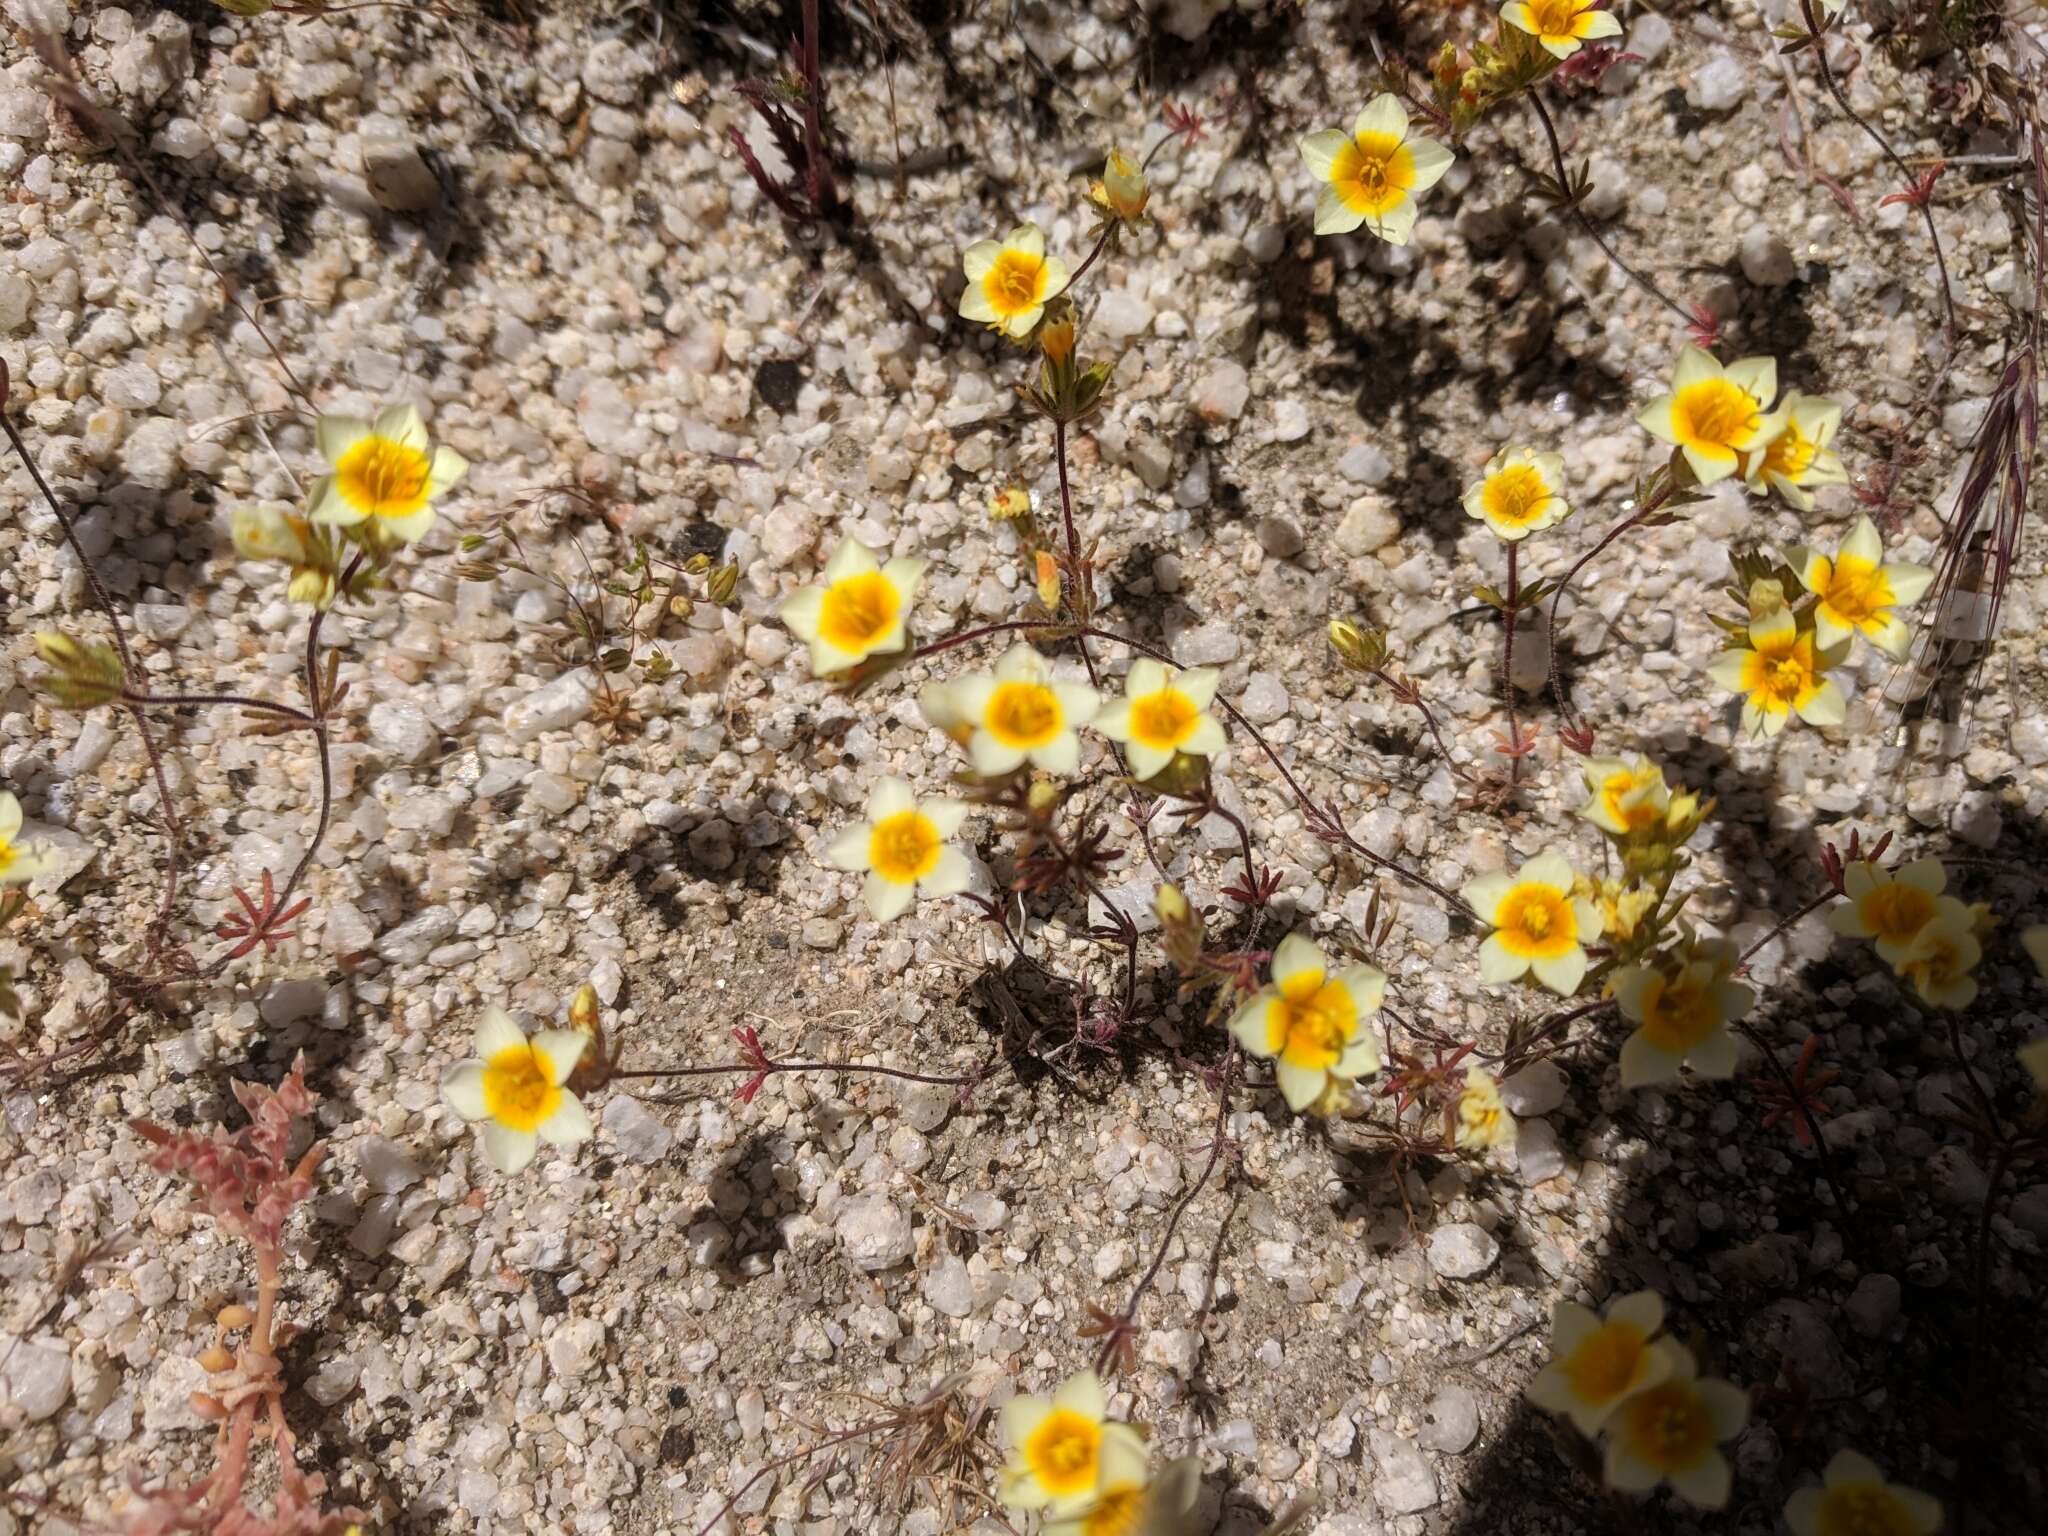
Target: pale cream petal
x=1639 y=1309
x=1248 y=1024
x=1549 y=868
x=1518 y=15
x=1727 y=1407
x=1146 y=677
x=1757 y=375
x=335 y=435
x=509 y=1151
x=1319 y=151
x=1396 y=224
x=402 y=424
x=1300 y=1086
x=1061 y=755
x=568 y=1125
x=462 y=1085
x=1021 y=1417
x=849 y=850
x=1334 y=216
x=1714 y=1056
x=1909 y=582
x=851 y=558
x=1120 y=1463
x=945 y=813
x=1773 y=629
x=10 y=817
x=1694 y=366
x=1298 y=955
x=887 y=899
x=976 y=260
x=904 y=575
x=800 y=612
x=953 y=874
x=1561 y=973
x=1431 y=160
x=1595 y=24
x=1054 y=278
x=1028 y=238
x=1643 y=1064
x=1025 y=321
x=1021 y=663
x=1655 y=419
x=558 y=1050
x=1082 y=1393
x=1705 y=1485
x=974 y=305
x=1863 y=544
x=1802 y=1512
x=1486 y=892
x=1078 y=701
x=1631 y=986
x=1496 y=964
x=890 y=796
x=497 y=1031
x=1383 y=114
x=410 y=529
x=1367 y=985
x=1849 y=1466
x=1361 y=1057
x=326 y=504
x=1626 y=1471
x=1570 y=1326
x=1206 y=739
x=1926 y=873
x=1922 y=1509
x=991 y=758
x=1824 y=706
x=1114 y=720
x=1147 y=761
x=1890 y=636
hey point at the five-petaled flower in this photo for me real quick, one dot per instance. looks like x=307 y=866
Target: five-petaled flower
x=268 y=532
x=1373 y=174
x=1595 y=1364
x=1942 y=956
x=1799 y=456
x=1858 y=591
x=1855 y=1500
x=18 y=861
x=857 y=611
x=1061 y=1453
x=1148 y=1506
x=1715 y=415
x=1780 y=673
x=1519 y=493
x=1482 y=1118
x=514 y=1085
x=1017 y=714
x=384 y=472
x=1627 y=797
x=1682 y=1005
x=1010 y=281
x=904 y=848
x=1672 y=1432
x=1312 y=1022
x=1890 y=906
x=1538 y=923
x=1561 y=25
x=1164 y=711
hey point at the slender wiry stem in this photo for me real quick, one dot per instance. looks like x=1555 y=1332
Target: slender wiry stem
x=1633 y=520
x=1585 y=222
x=197 y=700
x=772 y=1068
x=1742 y=965
x=1511 y=620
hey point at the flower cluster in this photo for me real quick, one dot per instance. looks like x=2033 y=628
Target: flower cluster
x=1931 y=939
x=1089 y=1475
x=383 y=478
x=1615 y=1376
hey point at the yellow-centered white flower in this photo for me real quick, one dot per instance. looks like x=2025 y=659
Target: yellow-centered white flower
x=857 y=611
x=515 y=1087
x=1715 y=415
x=1482 y=1116
x=1942 y=958
x=1009 y=282
x=1855 y=1500
x=1627 y=796
x=1672 y=1433
x=1858 y=591
x=1153 y=1506
x=1520 y=492
x=1060 y=1452
x=19 y=862
x=1373 y=174
x=1682 y=1006
x=1597 y=1364
x=1561 y=26
x=1311 y=1024
x=385 y=472
x=1782 y=672
x=1164 y=710
x=1799 y=456
x=1539 y=925
x=1889 y=906
x=1020 y=713
x=905 y=848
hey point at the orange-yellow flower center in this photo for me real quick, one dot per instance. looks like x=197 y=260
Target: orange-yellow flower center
x=1607 y=1363
x=1515 y=495
x=1940 y=962
x=903 y=847
x=1715 y=414
x=1023 y=714
x=1668 y=1426
x=1895 y=911
x=1855 y=591
x=7 y=855
x=1791 y=455
x=1537 y=922
x=1062 y=1452
x=383 y=478
x=1013 y=284
x=1863 y=1509
x=518 y=1092
x=1778 y=676
x=1311 y=1021
x=1373 y=173
x=858 y=612
x=1164 y=719
x=1615 y=791
x=1679 y=1011
x=1555 y=18
x=1116 y=1512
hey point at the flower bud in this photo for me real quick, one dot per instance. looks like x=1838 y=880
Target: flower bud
x=83 y=673
x=1359 y=648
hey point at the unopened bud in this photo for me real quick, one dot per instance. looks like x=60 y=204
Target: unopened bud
x=83 y=673
x=234 y=1315
x=215 y=1360
x=1012 y=504
x=723 y=583
x=1048 y=581
x=1359 y=648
